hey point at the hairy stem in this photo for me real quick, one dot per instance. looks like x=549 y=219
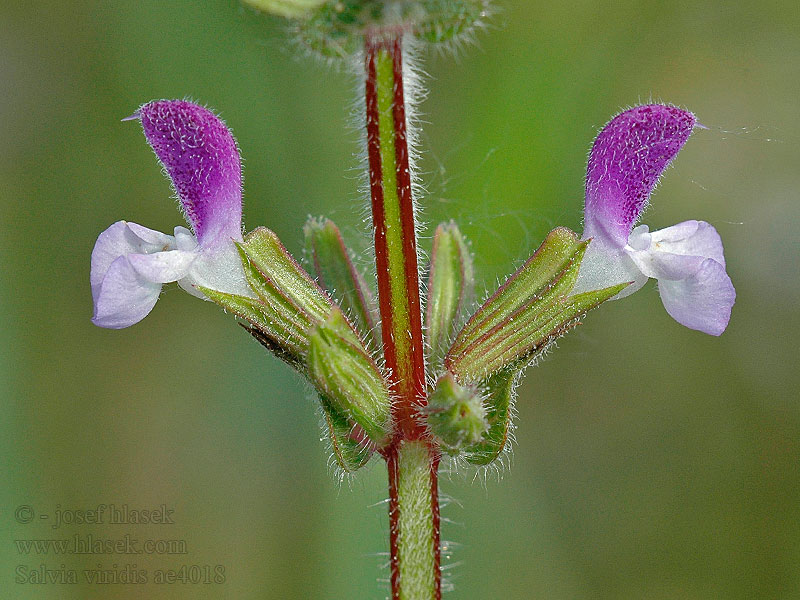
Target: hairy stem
x=395 y=235
x=411 y=460
x=415 y=518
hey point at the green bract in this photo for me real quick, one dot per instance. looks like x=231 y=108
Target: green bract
x=499 y=403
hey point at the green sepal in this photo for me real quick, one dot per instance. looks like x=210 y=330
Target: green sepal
x=269 y=266
x=342 y=370
x=450 y=287
x=455 y=415
x=530 y=310
x=287 y=301
x=335 y=271
x=275 y=330
x=286 y=8
x=499 y=403
x=350 y=451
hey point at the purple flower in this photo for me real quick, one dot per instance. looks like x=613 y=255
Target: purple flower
x=626 y=160
x=131 y=262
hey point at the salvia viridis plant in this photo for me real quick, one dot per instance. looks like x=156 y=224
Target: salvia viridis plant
x=406 y=369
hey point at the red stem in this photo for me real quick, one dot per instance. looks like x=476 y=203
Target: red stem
x=394 y=526
x=410 y=389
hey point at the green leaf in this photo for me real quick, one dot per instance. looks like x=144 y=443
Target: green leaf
x=528 y=312
x=450 y=287
x=347 y=376
x=455 y=415
x=336 y=273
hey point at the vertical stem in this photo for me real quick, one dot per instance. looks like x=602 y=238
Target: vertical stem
x=412 y=461
x=395 y=234
x=417 y=524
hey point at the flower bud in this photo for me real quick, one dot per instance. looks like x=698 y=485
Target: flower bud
x=450 y=286
x=337 y=28
x=347 y=377
x=455 y=415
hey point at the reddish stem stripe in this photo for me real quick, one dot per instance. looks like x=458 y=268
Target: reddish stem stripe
x=394 y=526
x=409 y=379
x=403 y=175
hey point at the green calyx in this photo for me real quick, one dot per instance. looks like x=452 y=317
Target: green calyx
x=530 y=310
x=470 y=410
x=331 y=262
x=337 y=28
x=348 y=378
x=455 y=415
x=450 y=288
x=291 y=315
x=286 y=301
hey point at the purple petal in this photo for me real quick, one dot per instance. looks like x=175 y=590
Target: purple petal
x=703 y=301
x=123 y=297
x=626 y=160
x=200 y=155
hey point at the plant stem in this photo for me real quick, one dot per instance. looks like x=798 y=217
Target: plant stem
x=415 y=517
x=411 y=460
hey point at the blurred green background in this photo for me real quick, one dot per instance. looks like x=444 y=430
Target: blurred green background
x=651 y=461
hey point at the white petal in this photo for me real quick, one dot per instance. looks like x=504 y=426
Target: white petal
x=151 y=237
x=120 y=239
x=603 y=266
x=664 y=265
x=219 y=269
x=163 y=267
x=676 y=252
x=184 y=240
x=703 y=301
x=123 y=297
x=696 y=238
